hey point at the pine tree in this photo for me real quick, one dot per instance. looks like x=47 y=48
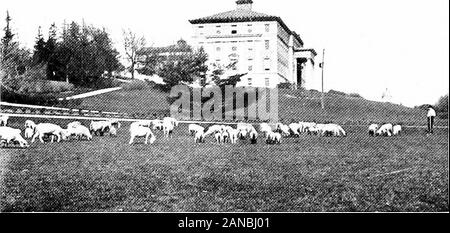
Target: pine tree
x=40 y=53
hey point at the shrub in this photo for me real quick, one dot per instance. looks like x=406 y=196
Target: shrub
x=334 y=92
x=355 y=95
x=285 y=86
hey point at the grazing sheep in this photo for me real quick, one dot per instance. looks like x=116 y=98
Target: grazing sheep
x=253 y=135
x=137 y=131
x=30 y=124
x=295 y=129
x=373 y=129
x=242 y=134
x=113 y=131
x=332 y=130
x=9 y=135
x=79 y=131
x=172 y=120
x=385 y=130
x=305 y=126
x=396 y=129
x=29 y=132
x=233 y=134
x=194 y=128
x=4 y=120
x=43 y=129
x=99 y=127
x=73 y=124
x=168 y=128
x=218 y=137
x=225 y=136
x=273 y=137
x=265 y=128
x=199 y=136
x=283 y=129
x=213 y=129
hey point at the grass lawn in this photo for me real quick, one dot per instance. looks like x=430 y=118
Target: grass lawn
x=355 y=173
x=292 y=104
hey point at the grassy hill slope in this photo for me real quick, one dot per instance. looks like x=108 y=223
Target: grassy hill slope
x=292 y=105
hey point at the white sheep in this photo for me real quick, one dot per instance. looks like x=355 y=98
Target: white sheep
x=73 y=124
x=137 y=131
x=4 y=120
x=99 y=127
x=168 y=127
x=79 y=131
x=194 y=128
x=199 y=136
x=273 y=137
x=9 y=135
x=225 y=136
x=29 y=132
x=253 y=135
x=332 y=130
x=373 y=129
x=283 y=129
x=396 y=129
x=295 y=129
x=385 y=130
x=30 y=124
x=172 y=120
x=233 y=134
x=43 y=129
x=265 y=128
x=213 y=129
x=218 y=137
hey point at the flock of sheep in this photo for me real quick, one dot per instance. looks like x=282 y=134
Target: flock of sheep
x=271 y=133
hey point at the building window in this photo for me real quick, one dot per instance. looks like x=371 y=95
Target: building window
x=200 y=26
x=266 y=44
x=250 y=49
x=267 y=82
x=250 y=81
x=250 y=68
x=234 y=25
x=266 y=63
x=267 y=27
x=218 y=26
x=233 y=31
x=217 y=60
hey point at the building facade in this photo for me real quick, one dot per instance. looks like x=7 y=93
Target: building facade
x=260 y=45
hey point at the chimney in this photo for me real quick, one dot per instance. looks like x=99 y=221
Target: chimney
x=244 y=5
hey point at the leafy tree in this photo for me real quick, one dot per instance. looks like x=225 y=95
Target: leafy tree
x=442 y=104
x=184 y=68
x=133 y=44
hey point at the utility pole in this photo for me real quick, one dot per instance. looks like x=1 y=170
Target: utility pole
x=323 y=66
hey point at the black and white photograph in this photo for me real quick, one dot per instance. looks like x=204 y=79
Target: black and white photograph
x=230 y=106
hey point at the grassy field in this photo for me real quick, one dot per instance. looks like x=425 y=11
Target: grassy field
x=292 y=104
x=355 y=173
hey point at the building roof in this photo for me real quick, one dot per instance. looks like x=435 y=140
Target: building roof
x=181 y=46
x=243 y=15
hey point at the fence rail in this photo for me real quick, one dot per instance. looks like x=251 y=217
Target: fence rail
x=24 y=110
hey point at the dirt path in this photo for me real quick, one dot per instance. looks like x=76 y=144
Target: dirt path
x=92 y=93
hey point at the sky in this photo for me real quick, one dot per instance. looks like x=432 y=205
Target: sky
x=370 y=45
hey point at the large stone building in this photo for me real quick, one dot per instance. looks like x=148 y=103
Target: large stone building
x=261 y=45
